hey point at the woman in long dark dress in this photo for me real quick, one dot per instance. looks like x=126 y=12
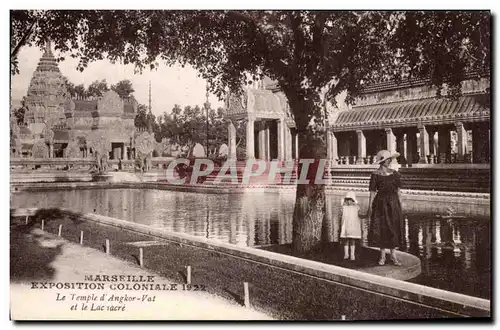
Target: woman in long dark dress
x=386 y=224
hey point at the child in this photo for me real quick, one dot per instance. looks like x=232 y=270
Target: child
x=350 y=230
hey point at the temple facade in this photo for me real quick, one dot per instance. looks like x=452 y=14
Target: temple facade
x=409 y=119
x=405 y=117
x=71 y=127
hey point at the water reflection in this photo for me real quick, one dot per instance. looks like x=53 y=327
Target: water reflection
x=455 y=253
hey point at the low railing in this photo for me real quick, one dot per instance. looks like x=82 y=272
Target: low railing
x=430 y=159
x=50 y=164
x=72 y=164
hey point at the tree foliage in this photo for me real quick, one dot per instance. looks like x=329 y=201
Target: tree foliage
x=123 y=88
x=97 y=88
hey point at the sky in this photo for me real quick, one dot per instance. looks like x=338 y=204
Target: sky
x=169 y=85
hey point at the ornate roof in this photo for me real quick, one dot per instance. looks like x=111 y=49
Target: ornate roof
x=264 y=102
x=411 y=113
x=257 y=103
x=47 y=91
x=48 y=61
x=413 y=82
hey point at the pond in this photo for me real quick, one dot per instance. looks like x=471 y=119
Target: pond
x=455 y=253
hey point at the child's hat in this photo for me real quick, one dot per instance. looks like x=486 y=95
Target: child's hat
x=351 y=195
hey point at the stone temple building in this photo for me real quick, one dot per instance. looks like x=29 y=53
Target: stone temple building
x=71 y=127
x=405 y=117
x=409 y=119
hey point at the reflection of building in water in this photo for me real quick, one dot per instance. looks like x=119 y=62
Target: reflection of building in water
x=413 y=238
x=456 y=235
x=483 y=248
x=468 y=237
x=428 y=238
x=233 y=219
x=446 y=231
x=248 y=212
x=274 y=228
x=437 y=225
x=407 y=232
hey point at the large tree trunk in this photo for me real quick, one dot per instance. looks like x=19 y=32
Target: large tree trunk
x=309 y=214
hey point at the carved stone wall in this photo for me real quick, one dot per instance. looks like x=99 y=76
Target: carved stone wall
x=110 y=102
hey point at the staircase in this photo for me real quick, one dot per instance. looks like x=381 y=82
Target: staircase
x=261 y=179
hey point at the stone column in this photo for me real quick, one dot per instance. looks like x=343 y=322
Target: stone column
x=361 y=147
x=400 y=146
x=480 y=143
x=424 y=144
x=262 y=140
x=267 y=140
x=250 y=139
x=432 y=143
x=297 y=145
x=411 y=147
x=444 y=146
x=391 y=143
x=461 y=141
x=281 y=139
x=51 y=150
x=329 y=142
x=232 y=140
x=288 y=143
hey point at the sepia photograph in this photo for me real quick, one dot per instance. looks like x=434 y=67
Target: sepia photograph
x=250 y=165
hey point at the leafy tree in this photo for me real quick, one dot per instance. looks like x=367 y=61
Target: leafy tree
x=123 y=88
x=144 y=119
x=97 y=88
x=312 y=55
x=70 y=87
x=19 y=114
x=80 y=91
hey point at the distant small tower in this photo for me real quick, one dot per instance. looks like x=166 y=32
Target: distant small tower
x=207 y=107
x=150 y=113
x=150 y=96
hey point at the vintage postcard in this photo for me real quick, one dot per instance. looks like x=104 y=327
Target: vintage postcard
x=250 y=165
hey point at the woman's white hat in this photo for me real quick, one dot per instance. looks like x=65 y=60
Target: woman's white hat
x=350 y=195
x=383 y=155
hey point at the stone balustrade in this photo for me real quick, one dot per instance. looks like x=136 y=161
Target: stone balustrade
x=80 y=164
